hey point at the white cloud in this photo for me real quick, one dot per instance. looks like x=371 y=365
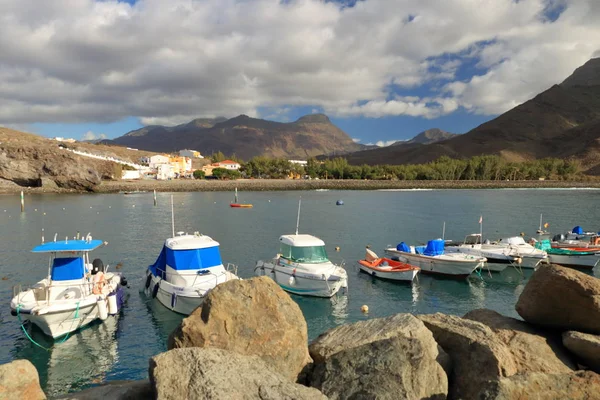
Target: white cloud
x=89 y=135
x=356 y=140
x=385 y=143
x=85 y=60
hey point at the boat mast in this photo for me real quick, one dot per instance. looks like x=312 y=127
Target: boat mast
x=540 y=222
x=236 y=199
x=298 y=218
x=444 y=231
x=172 y=217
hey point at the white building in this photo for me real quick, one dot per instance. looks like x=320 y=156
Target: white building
x=190 y=153
x=128 y=174
x=299 y=162
x=228 y=164
x=157 y=160
x=165 y=172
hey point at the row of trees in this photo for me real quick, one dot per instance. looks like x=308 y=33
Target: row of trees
x=445 y=168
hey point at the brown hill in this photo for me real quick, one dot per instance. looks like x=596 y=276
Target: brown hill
x=33 y=161
x=246 y=137
x=429 y=136
x=562 y=121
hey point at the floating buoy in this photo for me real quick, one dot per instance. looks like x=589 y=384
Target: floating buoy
x=119 y=265
x=337 y=248
x=133 y=205
x=44 y=213
x=5 y=278
x=339 y=203
x=35 y=209
x=364 y=309
x=292 y=280
x=109 y=206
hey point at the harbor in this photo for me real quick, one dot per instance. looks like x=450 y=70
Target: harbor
x=135 y=230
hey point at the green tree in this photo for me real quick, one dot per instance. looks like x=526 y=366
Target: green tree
x=199 y=174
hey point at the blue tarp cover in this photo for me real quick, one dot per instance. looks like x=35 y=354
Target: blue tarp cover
x=578 y=230
x=66 y=269
x=434 y=248
x=403 y=247
x=186 y=259
x=70 y=245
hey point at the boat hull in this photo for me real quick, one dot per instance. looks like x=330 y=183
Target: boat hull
x=301 y=283
x=236 y=205
x=585 y=261
x=182 y=300
x=57 y=324
x=405 y=276
x=436 y=266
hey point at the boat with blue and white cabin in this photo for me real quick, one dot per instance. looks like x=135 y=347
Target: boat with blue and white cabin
x=75 y=293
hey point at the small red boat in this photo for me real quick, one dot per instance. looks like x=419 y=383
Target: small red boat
x=387 y=268
x=235 y=204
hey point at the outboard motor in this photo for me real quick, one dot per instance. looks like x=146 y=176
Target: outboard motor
x=97 y=266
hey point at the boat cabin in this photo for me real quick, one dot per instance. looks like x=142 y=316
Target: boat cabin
x=184 y=257
x=305 y=249
x=473 y=239
x=68 y=267
x=433 y=248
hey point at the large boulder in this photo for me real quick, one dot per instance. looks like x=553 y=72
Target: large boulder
x=532 y=349
x=561 y=298
x=114 y=390
x=250 y=317
x=20 y=380
x=207 y=374
x=582 y=385
x=585 y=347
x=478 y=355
x=384 y=358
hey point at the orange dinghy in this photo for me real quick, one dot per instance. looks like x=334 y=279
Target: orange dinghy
x=387 y=268
x=235 y=204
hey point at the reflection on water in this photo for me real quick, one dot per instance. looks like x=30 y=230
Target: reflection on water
x=84 y=357
x=135 y=230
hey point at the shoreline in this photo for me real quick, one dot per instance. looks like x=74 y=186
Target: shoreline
x=284 y=185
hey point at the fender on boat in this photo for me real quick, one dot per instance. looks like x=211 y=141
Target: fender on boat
x=155 y=289
x=148 y=280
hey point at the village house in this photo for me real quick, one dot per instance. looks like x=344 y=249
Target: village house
x=227 y=164
x=157 y=160
x=190 y=153
x=181 y=165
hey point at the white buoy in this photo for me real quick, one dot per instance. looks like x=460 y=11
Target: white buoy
x=292 y=280
x=364 y=309
x=112 y=304
x=102 y=308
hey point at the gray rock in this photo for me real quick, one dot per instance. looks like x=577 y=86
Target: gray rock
x=582 y=385
x=19 y=380
x=195 y=373
x=478 y=356
x=250 y=317
x=533 y=350
x=383 y=358
x=585 y=347
x=114 y=390
x=561 y=298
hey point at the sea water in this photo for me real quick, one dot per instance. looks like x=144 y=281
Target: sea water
x=135 y=231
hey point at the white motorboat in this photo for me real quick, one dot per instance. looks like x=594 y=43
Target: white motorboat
x=302 y=267
x=498 y=257
x=560 y=242
x=75 y=292
x=530 y=256
x=432 y=259
x=188 y=267
x=571 y=257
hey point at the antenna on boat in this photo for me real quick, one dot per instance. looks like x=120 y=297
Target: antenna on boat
x=42 y=235
x=236 y=199
x=444 y=231
x=56 y=234
x=172 y=217
x=298 y=219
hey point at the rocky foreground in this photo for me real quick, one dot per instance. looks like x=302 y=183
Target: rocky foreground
x=249 y=341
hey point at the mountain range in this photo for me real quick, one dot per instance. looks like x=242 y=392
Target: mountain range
x=562 y=122
x=245 y=137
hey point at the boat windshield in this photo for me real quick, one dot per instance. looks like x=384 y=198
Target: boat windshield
x=310 y=254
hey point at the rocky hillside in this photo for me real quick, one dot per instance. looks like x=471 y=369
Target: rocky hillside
x=562 y=121
x=246 y=137
x=33 y=161
x=429 y=136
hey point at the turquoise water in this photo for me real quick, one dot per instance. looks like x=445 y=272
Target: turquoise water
x=135 y=231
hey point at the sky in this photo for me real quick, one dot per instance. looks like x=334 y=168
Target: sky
x=382 y=70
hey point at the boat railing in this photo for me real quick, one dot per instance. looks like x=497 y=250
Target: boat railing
x=232 y=268
x=41 y=292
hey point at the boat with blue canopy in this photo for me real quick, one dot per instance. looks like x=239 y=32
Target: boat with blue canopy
x=433 y=259
x=186 y=269
x=75 y=292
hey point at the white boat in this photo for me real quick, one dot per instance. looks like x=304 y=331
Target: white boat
x=593 y=242
x=541 y=231
x=571 y=257
x=386 y=268
x=302 y=267
x=577 y=233
x=530 y=256
x=188 y=267
x=432 y=259
x=75 y=292
x=498 y=257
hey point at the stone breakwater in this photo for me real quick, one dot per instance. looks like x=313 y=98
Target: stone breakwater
x=249 y=341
